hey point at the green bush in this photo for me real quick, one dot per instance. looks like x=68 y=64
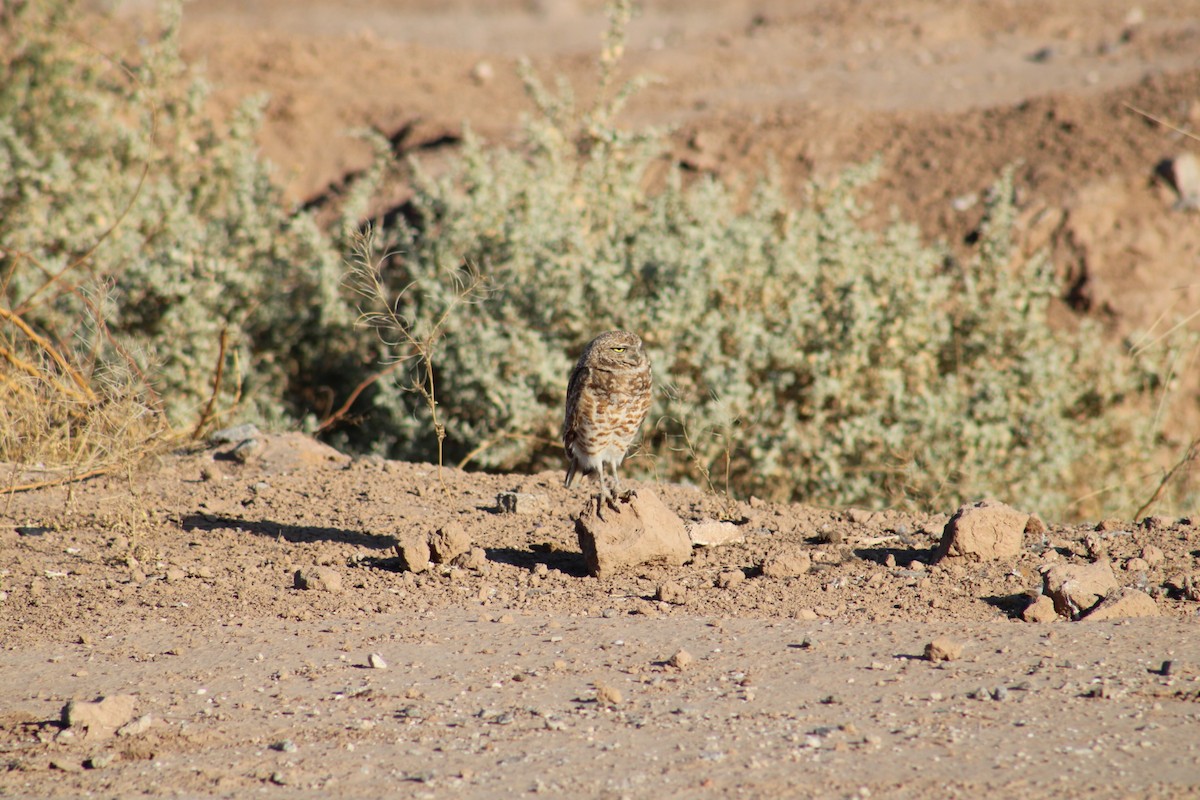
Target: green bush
x=118 y=192
x=825 y=361
x=796 y=350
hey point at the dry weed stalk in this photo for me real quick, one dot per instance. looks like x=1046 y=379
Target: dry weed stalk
x=400 y=333
x=1190 y=456
x=724 y=435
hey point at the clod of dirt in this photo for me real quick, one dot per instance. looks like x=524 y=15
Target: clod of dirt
x=1152 y=555
x=100 y=717
x=448 y=542
x=474 y=559
x=983 y=531
x=1040 y=610
x=607 y=695
x=712 y=533
x=640 y=530
x=681 y=660
x=319 y=579
x=672 y=592
x=412 y=548
x=1076 y=588
x=1034 y=526
x=786 y=562
x=730 y=578
x=1121 y=603
x=136 y=727
x=943 y=649
x=522 y=503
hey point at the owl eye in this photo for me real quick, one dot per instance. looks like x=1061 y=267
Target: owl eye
x=618 y=349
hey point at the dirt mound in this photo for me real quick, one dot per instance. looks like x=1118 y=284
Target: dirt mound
x=258 y=613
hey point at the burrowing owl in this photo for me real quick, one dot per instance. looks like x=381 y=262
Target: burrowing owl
x=607 y=399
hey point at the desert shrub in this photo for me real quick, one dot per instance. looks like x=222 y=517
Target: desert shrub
x=145 y=252
x=116 y=185
x=827 y=361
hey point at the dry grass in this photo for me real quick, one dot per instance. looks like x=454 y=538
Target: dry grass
x=68 y=415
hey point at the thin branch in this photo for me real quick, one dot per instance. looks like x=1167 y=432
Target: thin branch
x=1162 y=122
x=344 y=409
x=219 y=373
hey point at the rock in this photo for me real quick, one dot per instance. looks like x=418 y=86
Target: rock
x=1040 y=610
x=681 y=660
x=983 y=531
x=1184 y=173
x=860 y=516
x=1136 y=564
x=101 y=717
x=246 y=450
x=98 y=761
x=943 y=649
x=136 y=727
x=319 y=579
x=448 y=542
x=730 y=578
x=475 y=558
x=238 y=433
x=289 y=452
x=1152 y=555
x=375 y=661
x=786 y=562
x=522 y=503
x=672 y=592
x=639 y=530
x=175 y=575
x=1122 y=603
x=412 y=548
x=1075 y=588
x=607 y=695
x=482 y=72
x=712 y=533
x=1034 y=526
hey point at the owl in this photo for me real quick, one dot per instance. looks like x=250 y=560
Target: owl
x=607 y=400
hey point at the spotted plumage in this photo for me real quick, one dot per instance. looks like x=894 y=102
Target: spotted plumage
x=608 y=397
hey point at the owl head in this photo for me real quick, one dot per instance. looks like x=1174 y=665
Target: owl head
x=615 y=350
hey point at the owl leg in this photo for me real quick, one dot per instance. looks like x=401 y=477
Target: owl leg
x=627 y=495
x=603 y=495
x=609 y=493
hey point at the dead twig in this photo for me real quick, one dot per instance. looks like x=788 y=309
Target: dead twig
x=218 y=374
x=1160 y=121
x=344 y=408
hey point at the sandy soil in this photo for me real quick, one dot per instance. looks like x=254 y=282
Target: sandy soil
x=516 y=672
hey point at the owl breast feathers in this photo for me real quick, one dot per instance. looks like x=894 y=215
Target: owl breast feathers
x=608 y=397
